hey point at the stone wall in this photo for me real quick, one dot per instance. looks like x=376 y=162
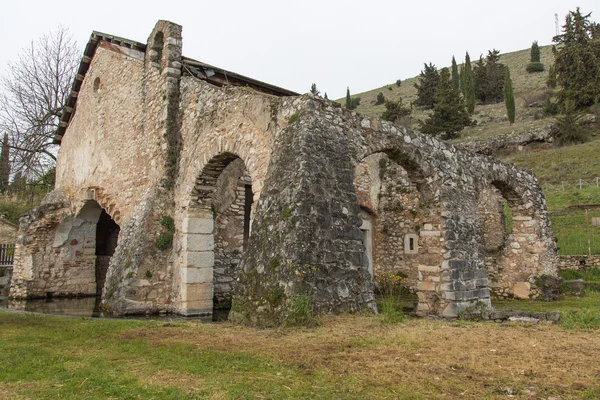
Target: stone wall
x=168 y=156
x=116 y=153
x=578 y=262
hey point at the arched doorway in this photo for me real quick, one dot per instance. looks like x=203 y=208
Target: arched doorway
x=84 y=244
x=511 y=243
x=403 y=221
x=215 y=234
x=107 y=237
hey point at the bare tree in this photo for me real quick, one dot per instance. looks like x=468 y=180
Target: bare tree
x=34 y=93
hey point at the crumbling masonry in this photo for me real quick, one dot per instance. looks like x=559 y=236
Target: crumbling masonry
x=181 y=186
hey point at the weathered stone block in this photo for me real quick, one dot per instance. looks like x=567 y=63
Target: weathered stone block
x=197 y=291
x=198 y=225
x=198 y=242
x=426 y=286
x=522 y=290
x=199 y=259
x=196 y=275
x=428 y=268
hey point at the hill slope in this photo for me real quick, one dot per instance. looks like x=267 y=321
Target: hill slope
x=524 y=84
x=568 y=175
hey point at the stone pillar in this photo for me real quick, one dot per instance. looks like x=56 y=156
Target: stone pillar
x=196 y=273
x=464 y=283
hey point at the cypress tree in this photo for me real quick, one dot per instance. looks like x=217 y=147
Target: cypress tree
x=313 y=89
x=509 y=97
x=455 y=77
x=551 y=81
x=4 y=165
x=469 y=85
x=348 y=99
x=535 y=52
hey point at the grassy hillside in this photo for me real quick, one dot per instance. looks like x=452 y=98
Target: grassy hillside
x=527 y=87
x=559 y=169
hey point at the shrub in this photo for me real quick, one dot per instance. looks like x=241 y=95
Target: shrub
x=398 y=82
x=168 y=223
x=394 y=111
x=535 y=97
x=535 y=67
x=164 y=240
x=354 y=102
x=389 y=284
x=550 y=107
x=380 y=99
x=535 y=52
x=568 y=130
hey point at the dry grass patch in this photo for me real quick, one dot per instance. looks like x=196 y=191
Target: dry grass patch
x=431 y=357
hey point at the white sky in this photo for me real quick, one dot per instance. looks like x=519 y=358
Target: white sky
x=360 y=44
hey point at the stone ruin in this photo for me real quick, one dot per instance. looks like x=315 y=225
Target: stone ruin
x=181 y=187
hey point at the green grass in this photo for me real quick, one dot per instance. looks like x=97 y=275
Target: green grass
x=590 y=302
x=347 y=357
x=390 y=309
x=569 y=225
x=580 y=313
x=554 y=165
x=51 y=357
x=585 y=319
x=557 y=200
x=589 y=275
x=573 y=233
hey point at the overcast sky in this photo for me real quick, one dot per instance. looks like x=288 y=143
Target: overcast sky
x=361 y=44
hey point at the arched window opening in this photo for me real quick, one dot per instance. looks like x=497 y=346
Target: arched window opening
x=96 y=85
x=157 y=47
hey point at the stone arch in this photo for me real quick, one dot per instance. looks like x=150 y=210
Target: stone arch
x=511 y=238
x=84 y=244
x=215 y=233
x=409 y=159
x=393 y=185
